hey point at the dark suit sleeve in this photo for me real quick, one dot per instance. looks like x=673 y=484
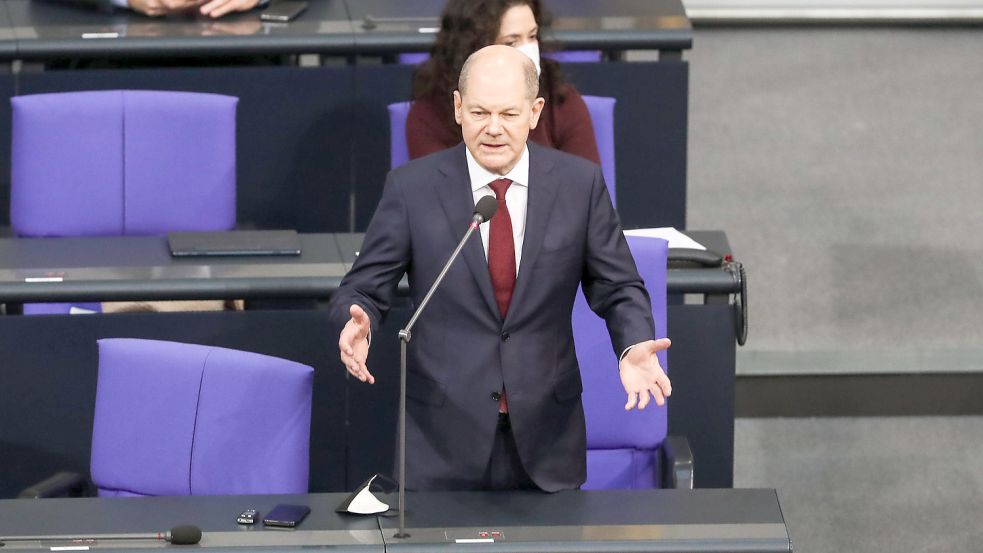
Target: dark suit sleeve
x=610 y=281
x=381 y=262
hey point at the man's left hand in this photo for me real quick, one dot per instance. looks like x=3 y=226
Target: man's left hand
x=642 y=376
x=218 y=8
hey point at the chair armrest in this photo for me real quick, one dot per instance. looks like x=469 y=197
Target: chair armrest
x=62 y=484
x=677 y=463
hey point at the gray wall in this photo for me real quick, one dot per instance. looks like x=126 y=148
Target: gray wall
x=846 y=165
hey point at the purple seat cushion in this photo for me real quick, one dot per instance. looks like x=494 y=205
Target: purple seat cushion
x=601 y=110
x=67 y=164
x=184 y=419
x=254 y=414
x=615 y=436
x=58 y=308
x=623 y=469
x=122 y=162
x=180 y=162
x=399 y=152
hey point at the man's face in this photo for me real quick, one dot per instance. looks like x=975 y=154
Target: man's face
x=496 y=116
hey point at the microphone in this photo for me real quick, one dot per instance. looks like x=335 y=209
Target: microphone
x=484 y=210
x=187 y=534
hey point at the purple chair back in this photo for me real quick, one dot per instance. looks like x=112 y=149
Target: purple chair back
x=399 y=152
x=120 y=162
x=183 y=419
x=563 y=56
x=601 y=109
x=623 y=447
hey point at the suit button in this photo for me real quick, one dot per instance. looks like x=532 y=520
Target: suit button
x=505 y=336
x=496 y=396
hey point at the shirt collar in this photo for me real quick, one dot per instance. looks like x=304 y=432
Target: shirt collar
x=481 y=177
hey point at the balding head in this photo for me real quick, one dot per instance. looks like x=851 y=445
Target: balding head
x=499 y=62
x=496 y=106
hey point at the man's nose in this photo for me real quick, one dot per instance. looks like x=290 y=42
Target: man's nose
x=494 y=125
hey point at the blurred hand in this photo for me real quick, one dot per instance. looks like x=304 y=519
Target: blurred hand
x=218 y=8
x=642 y=375
x=354 y=344
x=157 y=8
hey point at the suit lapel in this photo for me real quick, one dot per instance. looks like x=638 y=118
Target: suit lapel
x=454 y=193
x=542 y=193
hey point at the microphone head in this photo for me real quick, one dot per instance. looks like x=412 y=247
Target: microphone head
x=486 y=207
x=186 y=534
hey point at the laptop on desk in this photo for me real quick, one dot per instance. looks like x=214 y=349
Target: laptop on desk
x=236 y=242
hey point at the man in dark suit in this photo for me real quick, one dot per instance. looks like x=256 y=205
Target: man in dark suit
x=211 y=8
x=493 y=386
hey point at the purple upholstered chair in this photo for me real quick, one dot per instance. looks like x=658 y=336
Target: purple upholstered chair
x=624 y=448
x=563 y=56
x=601 y=110
x=120 y=162
x=183 y=419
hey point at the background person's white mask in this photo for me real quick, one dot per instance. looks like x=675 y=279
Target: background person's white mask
x=531 y=49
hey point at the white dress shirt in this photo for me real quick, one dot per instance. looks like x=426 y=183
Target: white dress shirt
x=516 y=197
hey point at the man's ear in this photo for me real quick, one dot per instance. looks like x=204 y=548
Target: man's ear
x=537 y=110
x=458 y=112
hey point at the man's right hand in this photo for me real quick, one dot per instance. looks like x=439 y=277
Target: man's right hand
x=354 y=344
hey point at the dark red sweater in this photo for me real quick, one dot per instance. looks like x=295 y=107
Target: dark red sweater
x=565 y=126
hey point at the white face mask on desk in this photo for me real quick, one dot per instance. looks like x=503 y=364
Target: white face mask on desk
x=531 y=49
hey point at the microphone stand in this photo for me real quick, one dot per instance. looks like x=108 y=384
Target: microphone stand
x=404 y=339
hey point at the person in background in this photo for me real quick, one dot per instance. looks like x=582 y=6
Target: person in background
x=467 y=26
x=157 y=8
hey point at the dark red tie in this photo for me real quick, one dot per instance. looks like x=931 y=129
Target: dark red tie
x=501 y=249
x=501 y=259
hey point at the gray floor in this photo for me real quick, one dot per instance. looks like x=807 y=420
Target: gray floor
x=874 y=485
x=846 y=165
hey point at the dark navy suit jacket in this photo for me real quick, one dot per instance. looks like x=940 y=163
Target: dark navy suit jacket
x=462 y=351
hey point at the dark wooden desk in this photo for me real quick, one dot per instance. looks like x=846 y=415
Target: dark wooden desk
x=642 y=520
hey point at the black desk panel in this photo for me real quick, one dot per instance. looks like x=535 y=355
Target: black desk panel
x=641 y=521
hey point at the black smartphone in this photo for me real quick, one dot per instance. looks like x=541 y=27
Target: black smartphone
x=284 y=10
x=286 y=516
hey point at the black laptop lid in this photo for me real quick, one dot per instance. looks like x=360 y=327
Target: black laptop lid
x=236 y=242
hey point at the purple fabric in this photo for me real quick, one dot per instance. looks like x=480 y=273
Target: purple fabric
x=184 y=419
x=122 y=162
x=58 y=308
x=67 y=164
x=574 y=56
x=255 y=415
x=565 y=56
x=399 y=152
x=621 y=446
x=601 y=109
x=412 y=58
x=180 y=163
